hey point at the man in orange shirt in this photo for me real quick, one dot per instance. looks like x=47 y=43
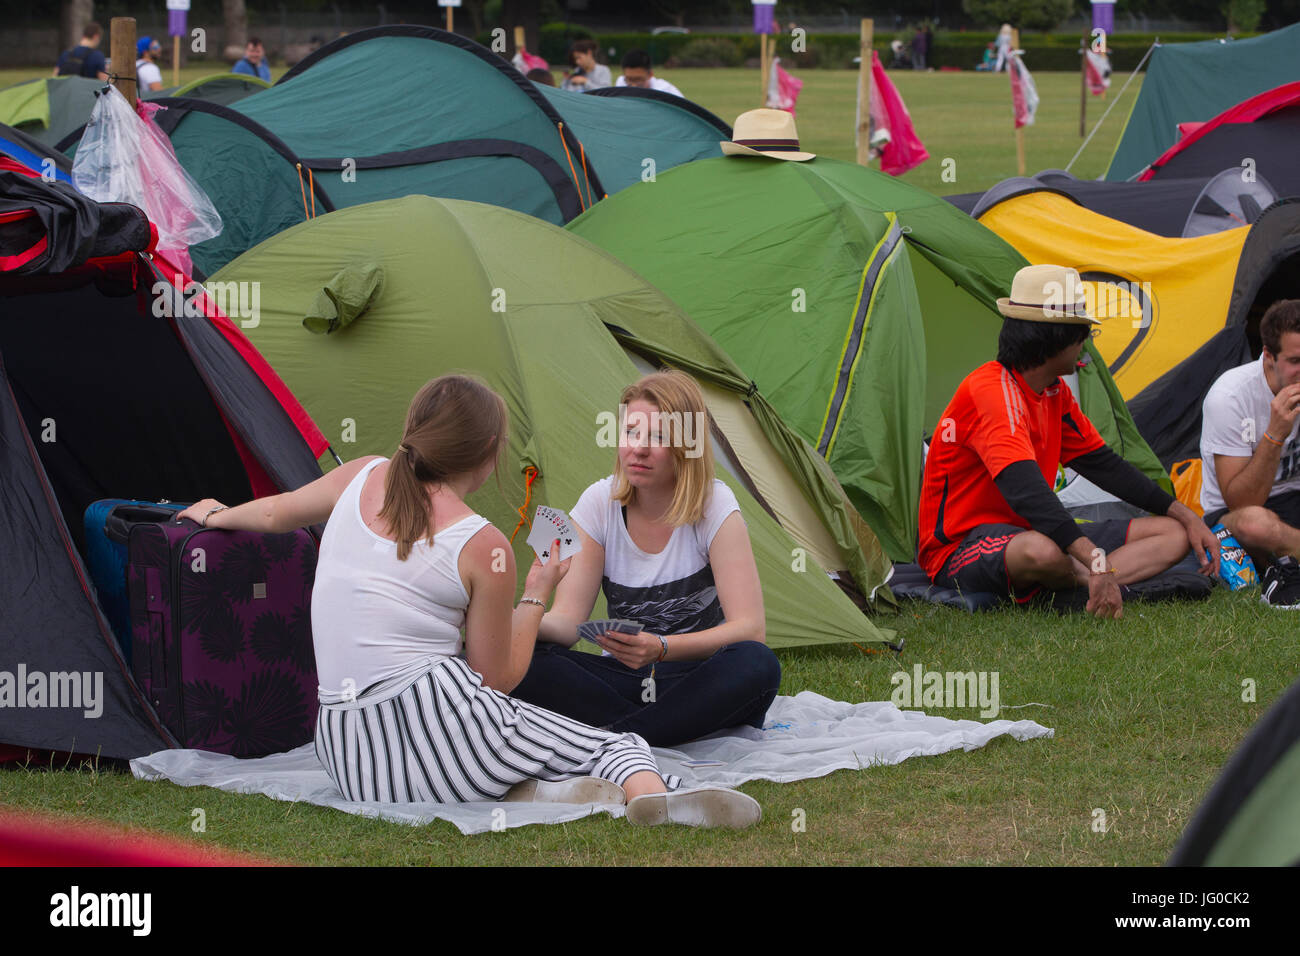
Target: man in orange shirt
x=989 y=518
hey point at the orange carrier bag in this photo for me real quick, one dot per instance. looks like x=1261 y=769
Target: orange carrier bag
x=1186 y=476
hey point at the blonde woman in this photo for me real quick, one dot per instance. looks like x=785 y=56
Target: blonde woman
x=666 y=541
x=404 y=565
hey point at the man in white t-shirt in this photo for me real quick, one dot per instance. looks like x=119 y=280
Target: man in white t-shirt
x=147 y=75
x=1250 y=452
x=637 y=72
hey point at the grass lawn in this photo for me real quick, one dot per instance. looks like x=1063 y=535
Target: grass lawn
x=1146 y=710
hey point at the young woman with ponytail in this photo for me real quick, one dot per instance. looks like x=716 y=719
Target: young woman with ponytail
x=404 y=565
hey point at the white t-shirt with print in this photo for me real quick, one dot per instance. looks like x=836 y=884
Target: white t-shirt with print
x=1235 y=416
x=147 y=74
x=671 y=592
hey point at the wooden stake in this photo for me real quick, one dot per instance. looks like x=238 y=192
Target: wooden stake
x=765 y=66
x=867 y=35
x=176 y=60
x=1083 y=89
x=121 y=48
x=450 y=28
x=1020 y=130
x=519 y=39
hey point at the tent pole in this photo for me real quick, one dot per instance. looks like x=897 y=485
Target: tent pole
x=1084 y=144
x=121 y=48
x=865 y=41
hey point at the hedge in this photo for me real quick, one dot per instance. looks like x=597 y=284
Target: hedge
x=1046 y=52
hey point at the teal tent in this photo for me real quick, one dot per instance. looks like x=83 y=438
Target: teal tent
x=1194 y=82
x=360 y=307
x=630 y=134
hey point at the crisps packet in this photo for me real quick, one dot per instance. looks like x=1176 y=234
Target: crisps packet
x=1235 y=566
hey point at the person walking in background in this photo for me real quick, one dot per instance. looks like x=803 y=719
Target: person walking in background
x=254 y=61
x=148 y=76
x=1004 y=47
x=84 y=59
x=586 y=74
x=918 y=49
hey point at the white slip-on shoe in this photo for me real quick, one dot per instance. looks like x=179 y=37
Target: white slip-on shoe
x=698 y=807
x=573 y=790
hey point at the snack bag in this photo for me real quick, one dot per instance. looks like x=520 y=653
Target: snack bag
x=1235 y=566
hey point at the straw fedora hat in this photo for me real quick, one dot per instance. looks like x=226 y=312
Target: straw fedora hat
x=765 y=133
x=1047 y=294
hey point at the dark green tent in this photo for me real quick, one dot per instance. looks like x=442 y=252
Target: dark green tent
x=1194 y=82
x=1251 y=816
x=857 y=303
x=415 y=287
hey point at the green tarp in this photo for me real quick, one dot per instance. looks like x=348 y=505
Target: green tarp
x=533 y=311
x=1195 y=82
x=855 y=302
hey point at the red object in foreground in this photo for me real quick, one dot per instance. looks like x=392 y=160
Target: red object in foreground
x=41 y=840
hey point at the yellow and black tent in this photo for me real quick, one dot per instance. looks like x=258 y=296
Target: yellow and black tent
x=1176 y=311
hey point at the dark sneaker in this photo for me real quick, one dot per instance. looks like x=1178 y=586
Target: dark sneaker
x=1281 y=587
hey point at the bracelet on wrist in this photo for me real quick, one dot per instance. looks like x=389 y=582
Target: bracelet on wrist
x=1272 y=439
x=211 y=512
x=664 y=642
x=1107 y=571
x=531 y=600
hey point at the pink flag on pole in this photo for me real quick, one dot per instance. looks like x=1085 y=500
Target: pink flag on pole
x=1097 y=69
x=782 y=88
x=904 y=150
x=1024 y=95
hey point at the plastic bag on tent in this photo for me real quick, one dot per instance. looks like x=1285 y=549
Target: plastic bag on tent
x=124 y=157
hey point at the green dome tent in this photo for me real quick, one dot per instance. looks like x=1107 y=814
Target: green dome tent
x=856 y=302
x=416 y=287
x=631 y=134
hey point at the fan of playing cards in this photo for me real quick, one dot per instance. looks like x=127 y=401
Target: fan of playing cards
x=548 y=525
x=590 y=630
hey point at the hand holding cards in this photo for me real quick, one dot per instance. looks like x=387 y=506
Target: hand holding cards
x=591 y=630
x=548 y=525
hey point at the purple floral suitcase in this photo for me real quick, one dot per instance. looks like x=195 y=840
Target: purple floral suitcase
x=221 y=629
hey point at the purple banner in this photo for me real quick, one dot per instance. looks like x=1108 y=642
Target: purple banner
x=764 y=14
x=176 y=23
x=1103 y=17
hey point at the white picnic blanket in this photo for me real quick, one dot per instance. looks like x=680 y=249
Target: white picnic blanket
x=805 y=736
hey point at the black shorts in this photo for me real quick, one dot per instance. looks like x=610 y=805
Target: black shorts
x=1285 y=505
x=980 y=562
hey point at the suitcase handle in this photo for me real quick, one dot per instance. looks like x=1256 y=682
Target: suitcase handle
x=117 y=526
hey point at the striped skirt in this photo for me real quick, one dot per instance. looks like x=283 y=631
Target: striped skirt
x=442 y=737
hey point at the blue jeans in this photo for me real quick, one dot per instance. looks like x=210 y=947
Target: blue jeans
x=692 y=698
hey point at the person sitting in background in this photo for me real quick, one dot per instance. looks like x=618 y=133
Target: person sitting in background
x=84 y=59
x=989 y=519
x=541 y=76
x=254 y=61
x=986 y=65
x=147 y=75
x=586 y=74
x=404 y=565
x=637 y=72
x=1250 y=454
x=666 y=542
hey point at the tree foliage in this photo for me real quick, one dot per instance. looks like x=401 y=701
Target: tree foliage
x=1022 y=14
